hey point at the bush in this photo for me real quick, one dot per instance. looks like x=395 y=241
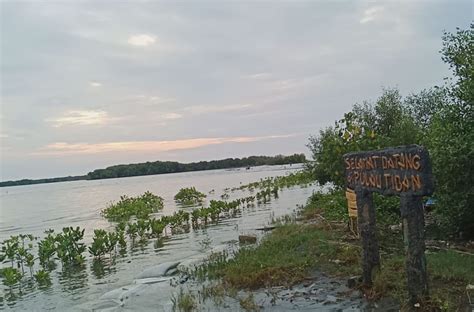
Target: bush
x=450 y=137
x=189 y=196
x=69 y=247
x=140 y=207
x=442 y=119
x=369 y=126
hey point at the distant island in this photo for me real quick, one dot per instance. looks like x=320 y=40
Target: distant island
x=161 y=167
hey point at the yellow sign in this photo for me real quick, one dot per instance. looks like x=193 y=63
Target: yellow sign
x=351 y=203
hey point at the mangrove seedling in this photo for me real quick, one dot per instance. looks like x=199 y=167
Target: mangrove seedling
x=11 y=276
x=140 y=207
x=142 y=228
x=103 y=242
x=122 y=242
x=98 y=247
x=195 y=217
x=10 y=249
x=69 y=248
x=42 y=278
x=132 y=230
x=189 y=196
x=157 y=227
x=47 y=248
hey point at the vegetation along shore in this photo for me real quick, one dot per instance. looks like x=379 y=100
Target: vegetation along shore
x=161 y=167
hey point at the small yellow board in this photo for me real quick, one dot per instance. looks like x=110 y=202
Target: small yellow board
x=351 y=203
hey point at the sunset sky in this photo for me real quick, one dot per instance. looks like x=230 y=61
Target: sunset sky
x=88 y=84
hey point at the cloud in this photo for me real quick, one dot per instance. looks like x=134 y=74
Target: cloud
x=141 y=40
x=158 y=99
x=202 y=109
x=63 y=148
x=172 y=116
x=153 y=99
x=371 y=14
x=95 y=84
x=81 y=118
x=259 y=76
x=293 y=84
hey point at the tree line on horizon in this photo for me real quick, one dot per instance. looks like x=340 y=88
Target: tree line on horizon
x=161 y=167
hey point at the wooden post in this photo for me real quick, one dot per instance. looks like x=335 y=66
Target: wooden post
x=367 y=232
x=411 y=208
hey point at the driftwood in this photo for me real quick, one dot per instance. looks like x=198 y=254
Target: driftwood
x=247 y=239
x=266 y=229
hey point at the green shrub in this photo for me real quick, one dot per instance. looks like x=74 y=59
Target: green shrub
x=333 y=205
x=47 y=248
x=69 y=247
x=140 y=207
x=43 y=278
x=189 y=196
x=11 y=276
x=104 y=242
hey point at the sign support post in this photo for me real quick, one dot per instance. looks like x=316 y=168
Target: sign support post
x=412 y=211
x=367 y=232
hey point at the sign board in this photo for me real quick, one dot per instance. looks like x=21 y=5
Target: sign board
x=391 y=171
x=404 y=171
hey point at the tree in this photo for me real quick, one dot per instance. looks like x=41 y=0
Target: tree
x=451 y=135
x=458 y=52
x=439 y=118
x=423 y=106
x=367 y=126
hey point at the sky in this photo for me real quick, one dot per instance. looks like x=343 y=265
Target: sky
x=88 y=84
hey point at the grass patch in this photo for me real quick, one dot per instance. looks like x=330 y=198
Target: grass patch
x=184 y=302
x=448 y=271
x=284 y=257
x=450 y=265
x=333 y=207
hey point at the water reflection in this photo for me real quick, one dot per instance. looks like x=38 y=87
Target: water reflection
x=11 y=294
x=101 y=268
x=73 y=279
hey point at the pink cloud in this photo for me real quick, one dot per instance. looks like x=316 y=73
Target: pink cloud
x=63 y=148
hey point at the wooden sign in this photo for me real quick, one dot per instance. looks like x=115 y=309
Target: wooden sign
x=403 y=171
x=391 y=171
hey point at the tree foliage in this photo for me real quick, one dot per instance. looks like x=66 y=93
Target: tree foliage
x=450 y=137
x=140 y=207
x=387 y=122
x=440 y=118
x=159 y=167
x=189 y=196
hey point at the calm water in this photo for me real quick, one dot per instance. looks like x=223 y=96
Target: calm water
x=33 y=209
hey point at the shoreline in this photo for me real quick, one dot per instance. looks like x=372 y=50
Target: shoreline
x=166 y=167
